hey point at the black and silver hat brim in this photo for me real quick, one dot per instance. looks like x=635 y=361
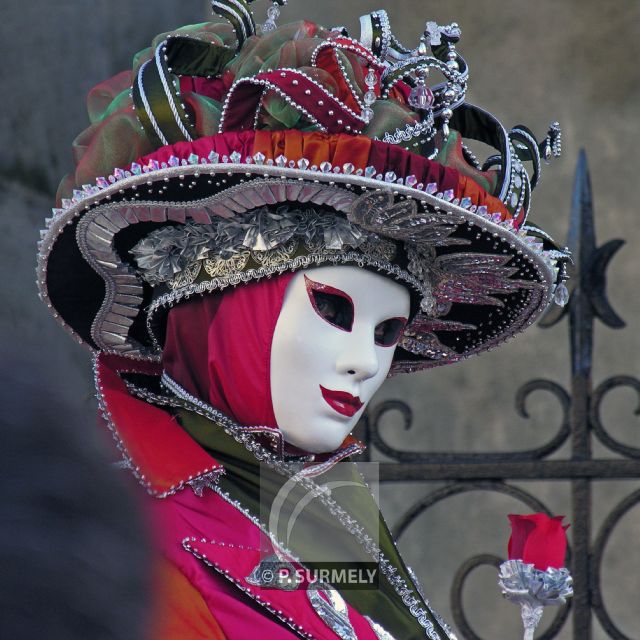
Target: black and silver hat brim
x=493 y=280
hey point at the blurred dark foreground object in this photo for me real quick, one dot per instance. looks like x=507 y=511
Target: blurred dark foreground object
x=73 y=562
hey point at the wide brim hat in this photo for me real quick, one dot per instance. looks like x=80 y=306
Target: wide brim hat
x=486 y=272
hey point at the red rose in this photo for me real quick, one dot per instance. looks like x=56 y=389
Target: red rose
x=539 y=540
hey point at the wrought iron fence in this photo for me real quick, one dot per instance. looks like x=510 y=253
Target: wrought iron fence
x=581 y=424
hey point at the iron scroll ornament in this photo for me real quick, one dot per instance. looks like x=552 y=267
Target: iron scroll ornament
x=596 y=423
x=581 y=424
x=374 y=435
x=607 y=528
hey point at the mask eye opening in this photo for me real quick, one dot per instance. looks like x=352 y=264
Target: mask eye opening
x=332 y=305
x=389 y=332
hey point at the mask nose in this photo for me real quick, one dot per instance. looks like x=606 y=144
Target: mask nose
x=359 y=357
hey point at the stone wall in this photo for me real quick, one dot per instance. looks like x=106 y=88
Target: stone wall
x=531 y=62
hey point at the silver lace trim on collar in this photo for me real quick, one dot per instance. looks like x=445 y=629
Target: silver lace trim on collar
x=302 y=465
x=275 y=462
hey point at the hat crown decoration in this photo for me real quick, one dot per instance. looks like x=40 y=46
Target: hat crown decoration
x=167 y=252
x=249 y=94
x=230 y=124
x=377 y=47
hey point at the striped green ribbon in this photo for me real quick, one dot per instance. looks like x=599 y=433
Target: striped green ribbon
x=156 y=90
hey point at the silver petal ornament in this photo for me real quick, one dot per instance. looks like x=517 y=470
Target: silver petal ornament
x=534 y=589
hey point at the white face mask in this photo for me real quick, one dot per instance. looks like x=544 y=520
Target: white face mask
x=332 y=349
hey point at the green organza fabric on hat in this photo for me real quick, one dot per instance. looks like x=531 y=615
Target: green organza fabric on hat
x=116 y=139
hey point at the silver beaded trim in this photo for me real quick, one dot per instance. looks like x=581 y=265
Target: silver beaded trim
x=205 y=478
x=411 y=131
x=284 y=72
x=239 y=12
x=187 y=544
x=273 y=461
x=355 y=48
x=385 y=25
x=167 y=91
x=294 y=264
x=123 y=287
x=147 y=106
x=246 y=434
